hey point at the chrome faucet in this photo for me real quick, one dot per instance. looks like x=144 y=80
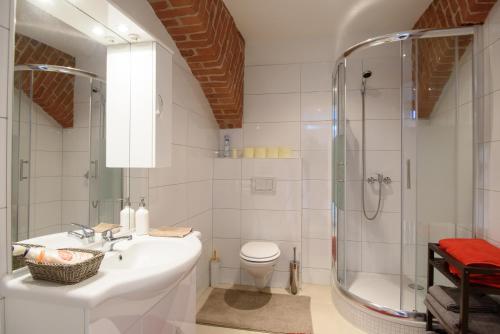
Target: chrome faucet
x=109 y=237
x=86 y=232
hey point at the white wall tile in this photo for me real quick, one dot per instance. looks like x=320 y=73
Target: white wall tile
x=316 y=224
x=73 y=188
x=281 y=169
x=227 y=169
x=385 y=72
x=48 y=138
x=272 y=134
x=75 y=212
x=3 y=243
x=226 y=223
x=287 y=197
x=226 y=194
x=5 y=15
x=75 y=139
x=202 y=223
x=180 y=120
x=272 y=79
x=229 y=276
x=316 y=276
x=168 y=205
x=386 y=227
x=316 y=77
x=353 y=256
x=75 y=163
x=201 y=132
x=316 y=136
x=229 y=252
x=199 y=164
x=199 y=196
x=270 y=225
x=316 y=253
x=381 y=258
x=316 y=194
x=262 y=108
x=47 y=189
x=175 y=174
x=316 y=106
x=3 y=163
x=316 y=164
x=48 y=163
x=4 y=61
x=353 y=226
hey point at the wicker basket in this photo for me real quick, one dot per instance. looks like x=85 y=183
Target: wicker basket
x=18 y=261
x=67 y=273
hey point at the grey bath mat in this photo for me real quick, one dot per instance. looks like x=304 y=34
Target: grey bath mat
x=257 y=311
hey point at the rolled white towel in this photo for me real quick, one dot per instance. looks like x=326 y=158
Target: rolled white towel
x=56 y=256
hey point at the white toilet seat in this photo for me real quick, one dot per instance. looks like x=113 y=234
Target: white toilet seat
x=260 y=252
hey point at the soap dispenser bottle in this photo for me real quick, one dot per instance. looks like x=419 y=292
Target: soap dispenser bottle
x=127 y=216
x=142 y=219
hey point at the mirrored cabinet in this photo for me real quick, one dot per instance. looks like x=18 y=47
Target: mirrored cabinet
x=140 y=79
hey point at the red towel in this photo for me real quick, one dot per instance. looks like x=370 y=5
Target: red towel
x=474 y=252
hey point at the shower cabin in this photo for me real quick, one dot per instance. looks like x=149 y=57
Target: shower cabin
x=59 y=175
x=406 y=162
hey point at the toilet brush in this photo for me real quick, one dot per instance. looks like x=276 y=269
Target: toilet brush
x=294 y=273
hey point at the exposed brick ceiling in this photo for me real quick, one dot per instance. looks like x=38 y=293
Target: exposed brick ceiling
x=208 y=39
x=436 y=56
x=53 y=92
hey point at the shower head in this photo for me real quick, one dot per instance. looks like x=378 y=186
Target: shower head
x=367 y=74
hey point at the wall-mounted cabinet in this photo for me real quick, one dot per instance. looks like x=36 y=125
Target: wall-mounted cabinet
x=139 y=106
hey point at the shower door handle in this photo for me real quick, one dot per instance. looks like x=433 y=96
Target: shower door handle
x=408 y=174
x=21 y=169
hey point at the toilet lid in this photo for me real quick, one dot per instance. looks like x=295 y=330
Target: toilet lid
x=260 y=251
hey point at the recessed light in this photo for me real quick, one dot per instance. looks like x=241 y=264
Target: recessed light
x=98 y=31
x=122 y=28
x=133 y=37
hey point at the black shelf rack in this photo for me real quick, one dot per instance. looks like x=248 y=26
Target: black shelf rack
x=462 y=282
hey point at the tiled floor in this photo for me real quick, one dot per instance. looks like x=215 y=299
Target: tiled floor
x=326 y=319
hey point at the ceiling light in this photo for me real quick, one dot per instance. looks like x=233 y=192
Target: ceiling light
x=122 y=28
x=98 y=31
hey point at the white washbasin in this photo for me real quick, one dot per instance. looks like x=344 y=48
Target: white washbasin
x=143 y=265
x=58 y=240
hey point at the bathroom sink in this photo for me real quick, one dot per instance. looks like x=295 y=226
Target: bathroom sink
x=143 y=265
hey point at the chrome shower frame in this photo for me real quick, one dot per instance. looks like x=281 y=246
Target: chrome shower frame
x=478 y=154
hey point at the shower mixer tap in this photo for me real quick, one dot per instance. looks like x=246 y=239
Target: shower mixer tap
x=379 y=179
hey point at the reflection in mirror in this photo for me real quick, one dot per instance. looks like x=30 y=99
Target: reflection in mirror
x=59 y=174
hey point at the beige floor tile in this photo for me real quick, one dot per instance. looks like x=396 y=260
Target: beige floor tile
x=325 y=317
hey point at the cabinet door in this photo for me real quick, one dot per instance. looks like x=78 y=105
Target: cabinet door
x=142 y=105
x=118 y=106
x=163 y=111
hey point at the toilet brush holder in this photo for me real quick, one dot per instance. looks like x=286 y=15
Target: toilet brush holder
x=294 y=274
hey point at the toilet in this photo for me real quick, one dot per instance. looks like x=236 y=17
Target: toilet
x=258 y=259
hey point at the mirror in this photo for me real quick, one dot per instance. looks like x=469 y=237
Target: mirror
x=59 y=173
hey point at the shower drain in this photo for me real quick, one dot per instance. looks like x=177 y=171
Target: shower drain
x=413 y=286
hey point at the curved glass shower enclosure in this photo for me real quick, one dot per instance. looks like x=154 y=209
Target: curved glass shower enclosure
x=404 y=162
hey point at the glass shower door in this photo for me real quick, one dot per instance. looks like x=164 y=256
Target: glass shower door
x=339 y=248
x=21 y=156
x=437 y=153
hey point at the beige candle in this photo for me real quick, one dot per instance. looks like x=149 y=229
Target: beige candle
x=284 y=152
x=272 y=153
x=248 y=152
x=260 y=152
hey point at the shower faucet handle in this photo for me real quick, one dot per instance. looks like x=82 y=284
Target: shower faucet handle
x=387 y=180
x=371 y=180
